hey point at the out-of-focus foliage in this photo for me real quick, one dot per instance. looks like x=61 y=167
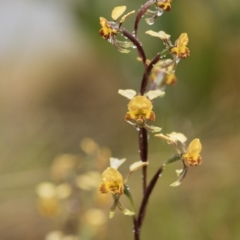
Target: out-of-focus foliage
x=59 y=82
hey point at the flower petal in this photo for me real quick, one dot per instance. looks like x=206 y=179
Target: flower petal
x=135 y=166
x=126 y=15
x=175 y=184
x=163 y=35
x=152 y=129
x=182 y=40
x=164 y=137
x=124 y=210
x=115 y=162
x=118 y=11
x=195 y=146
x=128 y=212
x=154 y=94
x=152 y=33
x=128 y=93
x=179 y=172
x=177 y=137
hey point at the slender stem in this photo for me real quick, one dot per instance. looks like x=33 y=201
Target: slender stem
x=147 y=194
x=151 y=185
x=143 y=148
x=136 y=229
x=154 y=61
x=140 y=13
x=138 y=45
x=146 y=73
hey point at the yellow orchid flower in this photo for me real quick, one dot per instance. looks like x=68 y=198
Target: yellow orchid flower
x=140 y=106
x=107 y=31
x=112 y=180
x=192 y=156
x=164 y=4
x=180 y=49
x=110 y=29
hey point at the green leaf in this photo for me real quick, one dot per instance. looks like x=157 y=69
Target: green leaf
x=129 y=195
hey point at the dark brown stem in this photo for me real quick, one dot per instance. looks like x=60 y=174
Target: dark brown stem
x=140 y=13
x=147 y=194
x=136 y=229
x=143 y=148
x=138 y=45
x=146 y=73
x=154 y=61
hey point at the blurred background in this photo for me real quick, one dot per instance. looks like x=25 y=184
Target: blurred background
x=61 y=119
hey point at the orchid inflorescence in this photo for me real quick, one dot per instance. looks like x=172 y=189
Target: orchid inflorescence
x=159 y=72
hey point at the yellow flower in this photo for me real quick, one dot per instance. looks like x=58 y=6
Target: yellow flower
x=139 y=109
x=192 y=156
x=112 y=180
x=110 y=29
x=163 y=73
x=164 y=4
x=140 y=106
x=107 y=31
x=180 y=49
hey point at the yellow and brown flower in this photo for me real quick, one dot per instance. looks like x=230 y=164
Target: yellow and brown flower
x=112 y=181
x=107 y=31
x=140 y=106
x=164 y=4
x=110 y=29
x=192 y=156
x=180 y=49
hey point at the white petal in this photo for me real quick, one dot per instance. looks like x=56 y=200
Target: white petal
x=115 y=162
x=153 y=129
x=135 y=166
x=154 y=94
x=175 y=184
x=179 y=172
x=160 y=135
x=152 y=33
x=126 y=15
x=128 y=212
x=163 y=35
x=177 y=137
x=128 y=93
x=117 y=12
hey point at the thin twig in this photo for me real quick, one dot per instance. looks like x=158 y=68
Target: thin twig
x=146 y=73
x=138 y=45
x=136 y=229
x=147 y=194
x=143 y=148
x=140 y=13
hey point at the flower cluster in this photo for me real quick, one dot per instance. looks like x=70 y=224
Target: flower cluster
x=163 y=72
x=159 y=72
